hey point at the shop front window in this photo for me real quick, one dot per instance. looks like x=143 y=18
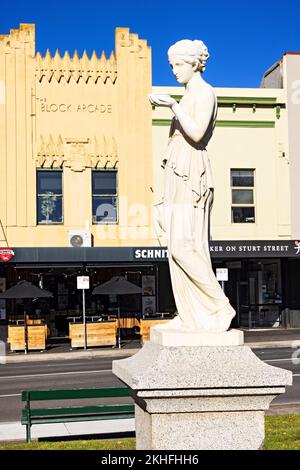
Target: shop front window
x=49 y=197
x=260 y=293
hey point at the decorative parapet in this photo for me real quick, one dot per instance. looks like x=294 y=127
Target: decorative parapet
x=131 y=41
x=18 y=37
x=77 y=153
x=85 y=68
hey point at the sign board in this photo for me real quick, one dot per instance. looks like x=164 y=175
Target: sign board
x=148 y=285
x=222 y=274
x=149 y=306
x=83 y=282
x=6 y=254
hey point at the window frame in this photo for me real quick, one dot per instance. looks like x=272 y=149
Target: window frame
x=241 y=188
x=116 y=196
x=38 y=195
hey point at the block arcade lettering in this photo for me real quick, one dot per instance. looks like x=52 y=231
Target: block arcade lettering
x=77 y=108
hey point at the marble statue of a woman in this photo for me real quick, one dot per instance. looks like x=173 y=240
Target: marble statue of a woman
x=184 y=212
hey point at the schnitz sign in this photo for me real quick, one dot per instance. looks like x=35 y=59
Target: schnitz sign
x=233 y=249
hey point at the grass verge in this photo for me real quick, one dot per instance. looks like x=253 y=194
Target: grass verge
x=282 y=433
x=93 y=444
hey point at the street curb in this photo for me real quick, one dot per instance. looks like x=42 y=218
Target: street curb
x=70 y=355
x=121 y=353
x=283 y=409
x=272 y=344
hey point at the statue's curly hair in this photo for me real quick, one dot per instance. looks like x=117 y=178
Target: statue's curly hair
x=192 y=52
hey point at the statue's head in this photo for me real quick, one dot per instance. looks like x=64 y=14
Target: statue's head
x=187 y=57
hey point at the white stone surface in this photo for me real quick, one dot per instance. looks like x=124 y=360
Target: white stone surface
x=157 y=367
x=200 y=397
x=200 y=431
x=181 y=338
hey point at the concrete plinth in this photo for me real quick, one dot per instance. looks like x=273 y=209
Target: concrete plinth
x=169 y=337
x=200 y=397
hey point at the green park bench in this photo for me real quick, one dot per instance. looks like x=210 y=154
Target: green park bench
x=31 y=416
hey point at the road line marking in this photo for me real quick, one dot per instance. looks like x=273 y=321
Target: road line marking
x=11 y=395
x=279 y=360
x=53 y=374
x=285 y=403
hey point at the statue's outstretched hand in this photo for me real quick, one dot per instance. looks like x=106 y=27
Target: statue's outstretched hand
x=161 y=100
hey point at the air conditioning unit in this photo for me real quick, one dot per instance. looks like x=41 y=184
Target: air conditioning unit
x=80 y=238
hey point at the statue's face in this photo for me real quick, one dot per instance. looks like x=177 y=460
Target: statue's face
x=181 y=69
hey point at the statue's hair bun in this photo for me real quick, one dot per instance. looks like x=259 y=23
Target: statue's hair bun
x=201 y=53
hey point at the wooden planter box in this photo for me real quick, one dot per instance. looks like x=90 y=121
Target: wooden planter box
x=98 y=334
x=128 y=323
x=145 y=326
x=36 y=336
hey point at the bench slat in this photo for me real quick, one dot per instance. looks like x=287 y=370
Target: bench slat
x=74 y=419
x=40 y=395
x=79 y=410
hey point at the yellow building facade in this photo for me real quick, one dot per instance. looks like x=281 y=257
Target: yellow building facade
x=75 y=114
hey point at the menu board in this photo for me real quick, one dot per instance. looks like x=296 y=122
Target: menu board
x=149 y=306
x=62 y=296
x=148 y=285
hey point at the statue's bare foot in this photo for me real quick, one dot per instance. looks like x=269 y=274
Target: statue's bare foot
x=219 y=322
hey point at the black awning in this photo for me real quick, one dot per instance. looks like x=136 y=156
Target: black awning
x=100 y=255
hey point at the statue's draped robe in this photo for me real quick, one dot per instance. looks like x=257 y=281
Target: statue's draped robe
x=183 y=215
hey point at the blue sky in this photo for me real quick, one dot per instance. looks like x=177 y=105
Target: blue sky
x=244 y=38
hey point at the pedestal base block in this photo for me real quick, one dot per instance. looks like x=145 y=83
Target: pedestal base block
x=201 y=397
x=199 y=431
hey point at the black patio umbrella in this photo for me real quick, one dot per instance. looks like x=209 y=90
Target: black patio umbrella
x=25 y=290
x=117 y=285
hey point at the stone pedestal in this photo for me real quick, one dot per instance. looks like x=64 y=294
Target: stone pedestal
x=200 y=397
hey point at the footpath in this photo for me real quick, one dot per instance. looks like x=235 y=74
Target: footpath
x=14 y=431
x=255 y=339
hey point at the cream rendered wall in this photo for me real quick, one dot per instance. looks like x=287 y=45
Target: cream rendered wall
x=260 y=148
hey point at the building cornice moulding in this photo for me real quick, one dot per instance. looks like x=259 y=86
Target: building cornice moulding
x=77 y=153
